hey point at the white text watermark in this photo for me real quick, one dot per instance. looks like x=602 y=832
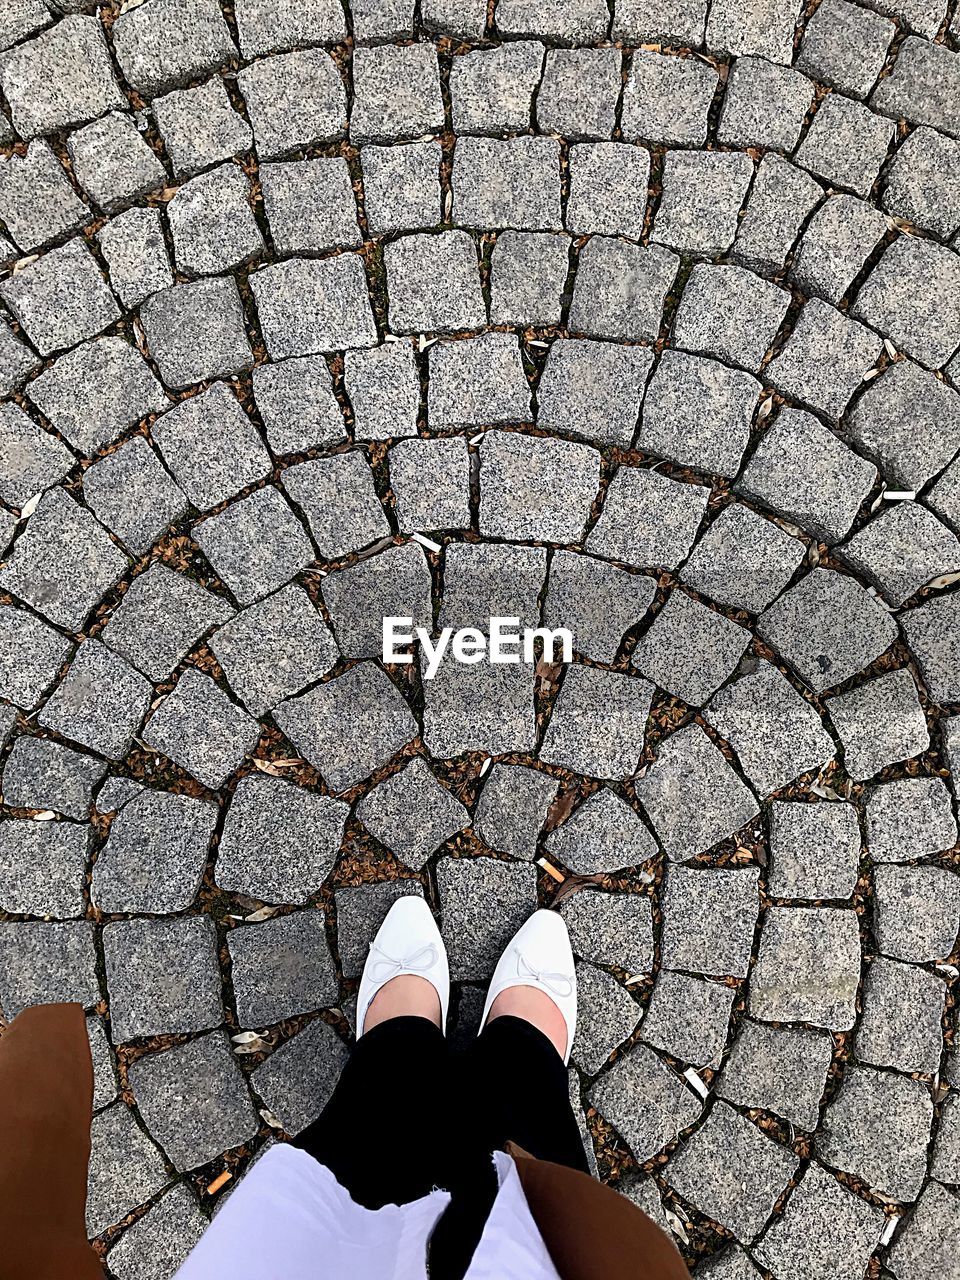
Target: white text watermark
x=504 y=641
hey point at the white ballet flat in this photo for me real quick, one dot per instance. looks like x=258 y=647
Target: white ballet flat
x=408 y=942
x=539 y=955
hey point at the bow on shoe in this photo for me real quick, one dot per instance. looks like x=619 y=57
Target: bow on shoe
x=559 y=983
x=384 y=966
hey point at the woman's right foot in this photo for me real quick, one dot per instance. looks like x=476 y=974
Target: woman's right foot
x=406 y=972
x=535 y=979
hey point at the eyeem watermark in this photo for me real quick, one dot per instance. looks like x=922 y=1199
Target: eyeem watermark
x=503 y=642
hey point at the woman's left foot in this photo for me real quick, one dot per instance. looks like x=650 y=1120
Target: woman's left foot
x=536 y=980
x=406 y=972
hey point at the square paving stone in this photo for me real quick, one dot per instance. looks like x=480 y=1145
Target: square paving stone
x=412 y=814
x=492 y=89
x=690 y=650
x=764 y=105
x=825 y=359
x=397 y=93
x=910 y=421
x=909 y=819
x=199 y=728
x=133 y=495
x=430 y=480
x=338 y=498
x=384 y=390
x=126 y=1169
x=913 y=296
x=667 y=99
x=296 y=402
x=815 y=850
x=846 y=144
x=879 y=723
x=598 y=723
x=294 y=100
x=282 y=967
x=845 y=46
x=37 y=202
x=92 y=394
x=378 y=20
x=164 y=45
x=611 y=929
x=709 y=919
x=196 y=331
x=620 y=289
x=24 y=18
x=824 y=1233
x=827 y=628
x=485 y=580
x=688 y=1017
x=732 y=1172
x=743 y=560
x=647 y=1102
x=279 y=841
x=928 y=1244
x=136 y=255
x=42 y=867
x=256 y=545
x=609 y=1016
x=692 y=796
x=211 y=446
x=267 y=28
x=488 y=708
x=507 y=183
x=808 y=968
x=194 y=1100
x=307 y=307
x=776 y=733
x=159 y=1242
x=878 y=1127
x=574 y=20
x=63 y=561
x=161 y=616
x=703 y=192
x=674 y=21
x=529 y=272
x=113 y=162
x=454 y=18
x=298 y=1079
x=42 y=774
x=917 y=912
x=361 y=910
x=836 y=245
x=598 y=603
x=476 y=382
x=48 y=963
x=778 y=1069
x=212 y=223
x=433 y=283
x=579 y=91
x=401 y=186
x=199 y=126
x=721 y=400
x=903 y=1008
x=274 y=649
x=31 y=459
x=31 y=654
x=513 y=807
x=483 y=902
x=603 y=834
x=534 y=488
x=61 y=298
x=100 y=703
x=932 y=635
x=155 y=854
x=922 y=182
x=394 y=583
x=781 y=199
x=923 y=87
x=162 y=976
x=764 y=29
x=728 y=312
x=350 y=726
x=60 y=78
x=17 y=361
x=310 y=205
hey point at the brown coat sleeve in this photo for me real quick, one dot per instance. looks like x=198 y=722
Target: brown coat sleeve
x=46 y=1090
x=591 y=1232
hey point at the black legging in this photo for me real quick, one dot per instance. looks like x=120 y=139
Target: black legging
x=410 y=1114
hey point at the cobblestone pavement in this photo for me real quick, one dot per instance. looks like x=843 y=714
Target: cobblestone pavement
x=636 y=318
